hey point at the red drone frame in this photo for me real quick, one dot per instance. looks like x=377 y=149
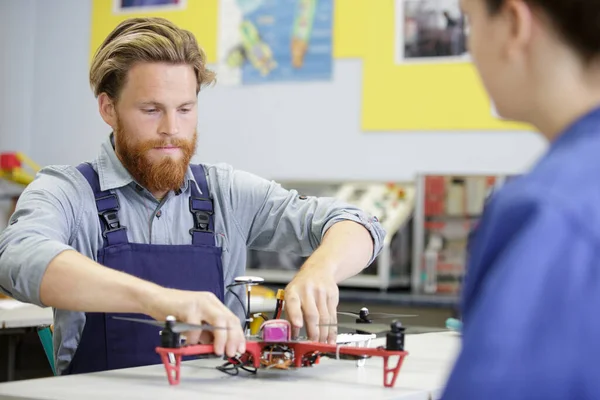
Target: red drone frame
x=274 y=347
x=289 y=353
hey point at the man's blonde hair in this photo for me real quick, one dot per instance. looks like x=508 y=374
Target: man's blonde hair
x=145 y=40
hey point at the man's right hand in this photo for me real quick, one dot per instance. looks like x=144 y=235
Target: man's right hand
x=200 y=308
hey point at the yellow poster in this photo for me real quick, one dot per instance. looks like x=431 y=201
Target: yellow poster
x=417 y=73
x=197 y=16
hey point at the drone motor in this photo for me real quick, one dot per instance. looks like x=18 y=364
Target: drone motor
x=395 y=337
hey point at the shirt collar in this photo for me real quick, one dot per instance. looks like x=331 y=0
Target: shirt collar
x=586 y=125
x=113 y=174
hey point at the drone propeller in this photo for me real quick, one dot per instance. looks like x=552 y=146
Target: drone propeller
x=371 y=328
x=177 y=327
x=378 y=329
x=376 y=315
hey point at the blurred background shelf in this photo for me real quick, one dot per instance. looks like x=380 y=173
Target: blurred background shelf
x=391 y=202
x=447 y=210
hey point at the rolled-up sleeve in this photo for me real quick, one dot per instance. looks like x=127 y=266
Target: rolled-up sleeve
x=41 y=227
x=273 y=218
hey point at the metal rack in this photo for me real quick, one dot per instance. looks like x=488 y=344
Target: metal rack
x=447 y=208
x=392 y=203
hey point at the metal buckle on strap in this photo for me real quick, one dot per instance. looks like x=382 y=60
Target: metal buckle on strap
x=201 y=217
x=110 y=217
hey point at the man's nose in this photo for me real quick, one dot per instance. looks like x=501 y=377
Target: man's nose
x=169 y=124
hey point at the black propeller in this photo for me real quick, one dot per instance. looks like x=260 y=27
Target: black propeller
x=371 y=328
x=376 y=315
x=378 y=329
x=176 y=327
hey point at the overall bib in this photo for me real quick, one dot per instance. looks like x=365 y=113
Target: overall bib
x=107 y=343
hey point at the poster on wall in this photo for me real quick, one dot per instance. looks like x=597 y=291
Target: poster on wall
x=430 y=31
x=136 y=6
x=263 y=41
x=197 y=16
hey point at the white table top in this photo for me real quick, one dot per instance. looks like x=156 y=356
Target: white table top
x=421 y=377
x=24 y=316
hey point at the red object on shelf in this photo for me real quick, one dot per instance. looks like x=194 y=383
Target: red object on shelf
x=435 y=195
x=9 y=161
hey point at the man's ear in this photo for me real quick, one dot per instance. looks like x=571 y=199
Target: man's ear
x=106 y=106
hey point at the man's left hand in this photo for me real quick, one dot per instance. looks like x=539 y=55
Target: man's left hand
x=312 y=297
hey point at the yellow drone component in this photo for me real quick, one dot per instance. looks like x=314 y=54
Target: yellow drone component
x=12 y=168
x=259 y=318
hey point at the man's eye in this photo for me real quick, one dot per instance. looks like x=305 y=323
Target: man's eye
x=150 y=110
x=185 y=110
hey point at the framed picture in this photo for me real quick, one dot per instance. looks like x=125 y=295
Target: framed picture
x=141 y=6
x=430 y=31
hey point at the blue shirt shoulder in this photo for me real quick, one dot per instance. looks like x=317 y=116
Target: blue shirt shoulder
x=533 y=281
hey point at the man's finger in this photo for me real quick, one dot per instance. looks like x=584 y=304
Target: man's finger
x=324 y=317
x=206 y=337
x=219 y=335
x=332 y=304
x=295 y=332
x=241 y=345
x=191 y=337
x=311 y=316
x=235 y=337
x=293 y=309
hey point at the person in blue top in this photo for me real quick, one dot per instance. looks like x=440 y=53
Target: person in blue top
x=532 y=286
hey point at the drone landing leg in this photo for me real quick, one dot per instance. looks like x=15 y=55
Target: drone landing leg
x=173 y=371
x=298 y=357
x=391 y=373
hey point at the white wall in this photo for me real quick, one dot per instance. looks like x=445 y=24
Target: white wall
x=67 y=128
x=285 y=131
x=17 y=37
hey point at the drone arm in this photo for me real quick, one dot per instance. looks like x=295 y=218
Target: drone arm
x=390 y=372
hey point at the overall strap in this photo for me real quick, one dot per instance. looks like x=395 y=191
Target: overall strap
x=201 y=206
x=107 y=204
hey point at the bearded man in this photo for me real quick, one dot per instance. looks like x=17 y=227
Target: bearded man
x=142 y=232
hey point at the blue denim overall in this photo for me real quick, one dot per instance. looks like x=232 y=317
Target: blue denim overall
x=107 y=343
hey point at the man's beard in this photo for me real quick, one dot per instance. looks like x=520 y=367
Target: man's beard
x=159 y=176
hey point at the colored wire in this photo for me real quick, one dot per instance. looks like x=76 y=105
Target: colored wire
x=239 y=299
x=279 y=304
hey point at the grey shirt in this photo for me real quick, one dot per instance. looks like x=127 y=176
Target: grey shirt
x=57 y=212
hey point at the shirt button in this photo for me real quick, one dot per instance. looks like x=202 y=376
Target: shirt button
x=158 y=214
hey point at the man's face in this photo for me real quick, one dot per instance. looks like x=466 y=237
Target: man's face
x=156 y=117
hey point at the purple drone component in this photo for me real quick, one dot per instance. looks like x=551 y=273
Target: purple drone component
x=277 y=330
